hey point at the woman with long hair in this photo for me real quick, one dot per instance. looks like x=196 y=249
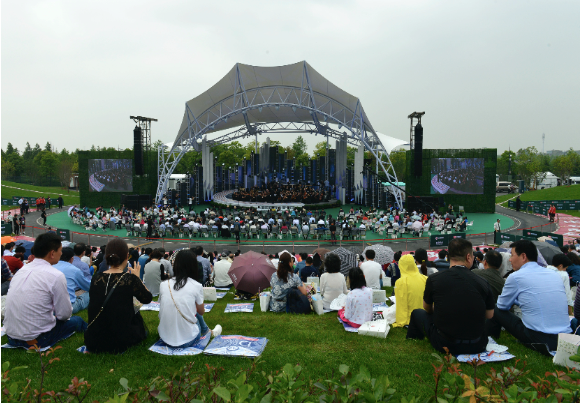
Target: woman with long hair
x=181 y=321
x=424 y=265
x=114 y=326
x=282 y=281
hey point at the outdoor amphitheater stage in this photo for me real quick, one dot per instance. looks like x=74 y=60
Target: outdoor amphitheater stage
x=225 y=198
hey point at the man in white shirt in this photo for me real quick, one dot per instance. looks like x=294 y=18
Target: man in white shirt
x=38 y=308
x=306 y=229
x=372 y=270
x=221 y=267
x=497 y=226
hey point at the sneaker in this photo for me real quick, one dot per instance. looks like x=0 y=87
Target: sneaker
x=217 y=331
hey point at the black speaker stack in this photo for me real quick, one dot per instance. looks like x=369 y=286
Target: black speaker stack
x=184 y=193
x=418 y=144
x=137 y=151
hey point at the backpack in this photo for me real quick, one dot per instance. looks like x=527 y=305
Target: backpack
x=296 y=302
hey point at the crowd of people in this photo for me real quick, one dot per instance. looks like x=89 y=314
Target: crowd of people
x=276 y=192
x=456 y=301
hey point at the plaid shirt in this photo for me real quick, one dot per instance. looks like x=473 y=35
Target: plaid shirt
x=6 y=273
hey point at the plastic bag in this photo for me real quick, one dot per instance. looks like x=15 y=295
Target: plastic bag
x=210 y=294
x=338 y=302
x=567 y=346
x=389 y=314
x=317 y=302
x=377 y=328
x=265 y=301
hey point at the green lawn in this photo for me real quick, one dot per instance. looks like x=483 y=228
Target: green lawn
x=318 y=343
x=556 y=193
x=69 y=197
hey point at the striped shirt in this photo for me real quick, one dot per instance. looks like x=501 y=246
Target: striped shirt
x=37 y=293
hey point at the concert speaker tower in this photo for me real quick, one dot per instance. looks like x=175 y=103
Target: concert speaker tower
x=418 y=143
x=184 y=194
x=137 y=151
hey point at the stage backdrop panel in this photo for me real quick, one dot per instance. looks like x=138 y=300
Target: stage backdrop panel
x=472 y=203
x=144 y=184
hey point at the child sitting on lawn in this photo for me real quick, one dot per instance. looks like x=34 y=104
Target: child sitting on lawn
x=359 y=303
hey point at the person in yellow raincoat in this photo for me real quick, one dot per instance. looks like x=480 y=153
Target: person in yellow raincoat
x=409 y=291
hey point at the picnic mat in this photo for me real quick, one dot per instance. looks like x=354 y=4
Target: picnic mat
x=379 y=306
x=236 y=346
x=222 y=288
x=239 y=308
x=221 y=294
x=161 y=348
x=42 y=349
x=208 y=307
x=347 y=327
x=152 y=306
x=490 y=355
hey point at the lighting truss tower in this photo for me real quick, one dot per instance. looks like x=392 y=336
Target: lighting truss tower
x=145 y=125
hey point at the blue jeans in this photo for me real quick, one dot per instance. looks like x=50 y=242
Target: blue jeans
x=60 y=331
x=575 y=325
x=81 y=303
x=202 y=329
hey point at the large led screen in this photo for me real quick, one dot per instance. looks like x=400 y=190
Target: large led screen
x=457 y=176
x=111 y=175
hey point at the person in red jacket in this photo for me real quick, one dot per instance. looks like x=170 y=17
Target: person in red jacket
x=552 y=211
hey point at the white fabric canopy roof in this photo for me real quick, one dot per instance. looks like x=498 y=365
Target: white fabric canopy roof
x=255 y=77
x=389 y=143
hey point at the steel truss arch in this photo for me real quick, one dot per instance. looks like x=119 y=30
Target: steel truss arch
x=321 y=111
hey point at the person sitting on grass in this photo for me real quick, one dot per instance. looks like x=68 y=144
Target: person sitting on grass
x=38 y=308
x=541 y=296
x=114 y=323
x=75 y=280
x=309 y=270
x=154 y=272
x=409 y=292
x=332 y=281
x=359 y=303
x=282 y=281
x=181 y=310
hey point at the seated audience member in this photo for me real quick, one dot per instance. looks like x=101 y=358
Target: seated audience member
x=393 y=269
x=38 y=308
x=317 y=262
x=308 y=271
x=80 y=249
x=372 y=271
x=490 y=273
x=165 y=263
x=359 y=303
x=541 y=296
x=143 y=260
x=75 y=280
x=409 y=292
x=154 y=272
x=573 y=270
x=332 y=281
x=15 y=261
x=302 y=263
x=441 y=263
x=6 y=274
x=560 y=263
x=181 y=321
x=221 y=268
x=282 y=281
x=575 y=320
x=114 y=323
x=424 y=265
x=455 y=320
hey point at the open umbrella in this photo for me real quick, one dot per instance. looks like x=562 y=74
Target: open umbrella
x=172 y=258
x=383 y=254
x=321 y=251
x=348 y=259
x=251 y=272
x=6 y=239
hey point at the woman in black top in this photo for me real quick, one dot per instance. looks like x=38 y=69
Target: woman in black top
x=114 y=327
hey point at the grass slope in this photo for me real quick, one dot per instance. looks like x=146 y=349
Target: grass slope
x=556 y=193
x=318 y=343
x=8 y=191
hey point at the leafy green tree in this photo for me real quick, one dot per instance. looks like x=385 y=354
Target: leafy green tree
x=502 y=162
x=302 y=160
x=48 y=147
x=351 y=155
x=564 y=165
x=28 y=153
x=299 y=146
x=321 y=149
x=7 y=168
x=529 y=166
x=398 y=160
x=36 y=150
x=10 y=149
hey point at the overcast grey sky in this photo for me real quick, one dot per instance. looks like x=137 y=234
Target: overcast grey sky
x=487 y=73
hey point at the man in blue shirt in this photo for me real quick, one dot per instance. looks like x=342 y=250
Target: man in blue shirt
x=75 y=280
x=141 y=261
x=79 y=251
x=540 y=293
x=205 y=264
x=302 y=263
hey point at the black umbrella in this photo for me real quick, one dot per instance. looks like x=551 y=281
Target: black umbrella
x=347 y=257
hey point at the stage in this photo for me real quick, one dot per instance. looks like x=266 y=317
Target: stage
x=225 y=198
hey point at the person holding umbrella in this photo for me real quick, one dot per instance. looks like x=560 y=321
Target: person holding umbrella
x=282 y=281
